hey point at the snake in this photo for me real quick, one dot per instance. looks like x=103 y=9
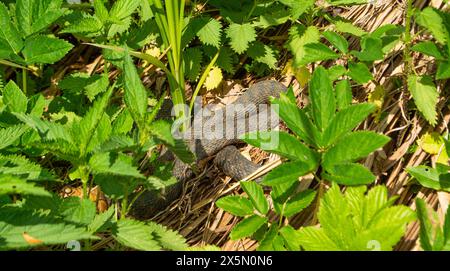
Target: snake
x=246 y=108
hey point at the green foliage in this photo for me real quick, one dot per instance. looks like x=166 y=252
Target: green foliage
x=324 y=137
x=354 y=221
x=433 y=236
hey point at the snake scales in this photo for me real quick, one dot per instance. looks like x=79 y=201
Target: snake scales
x=227 y=157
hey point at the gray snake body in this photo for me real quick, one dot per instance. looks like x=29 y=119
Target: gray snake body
x=228 y=158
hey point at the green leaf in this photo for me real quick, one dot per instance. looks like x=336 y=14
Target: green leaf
x=299 y=36
x=335 y=72
x=123 y=8
x=114 y=164
x=322 y=98
x=286 y=173
x=431 y=177
x=247 y=227
x=359 y=72
x=428 y=48
x=354 y=146
x=266 y=244
x=347 y=27
x=100 y=220
x=135 y=234
x=256 y=195
x=315 y=239
x=9 y=35
x=14 y=185
x=20 y=166
x=443 y=71
x=290 y=237
x=337 y=41
x=192 y=62
x=317 y=52
x=78 y=211
x=167 y=238
x=162 y=130
x=45 y=50
x=298 y=7
x=235 y=205
x=426 y=228
x=349 y=174
x=44 y=230
x=11 y=134
x=208 y=30
x=95 y=126
x=432 y=20
x=263 y=54
x=345 y=121
x=14 y=99
x=86 y=25
x=371 y=49
x=283 y=144
x=344 y=95
x=295 y=118
x=135 y=96
x=425 y=96
x=347 y=2
x=35 y=15
x=240 y=35
x=298 y=202
x=100 y=11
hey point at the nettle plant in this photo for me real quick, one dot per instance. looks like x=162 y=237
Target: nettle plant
x=103 y=146
x=25 y=39
x=323 y=144
x=423 y=87
x=434 y=234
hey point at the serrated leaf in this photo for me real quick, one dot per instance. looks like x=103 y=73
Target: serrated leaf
x=354 y=146
x=425 y=96
x=345 y=121
x=428 y=48
x=48 y=230
x=344 y=95
x=431 y=177
x=371 y=49
x=192 y=62
x=347 y=27
x=114 y=164
x=283 y=144
x=167 y=238
x=256 y=195
x=45 y=50
x=235 y=205
x=322 y=98
x=9 y=135
x=123 y=8
x=298 y=202
x=349 y=174
x=247 y=227
x=208 y=30
x=14 y=99
x=34 y=15
x=286 y=173
x=443 y=71
x=359 y=72
x=100 y=220
x=135 y=234
x=263 y=54
x=337 y=41
x=299 y=36
x=240 y=35
x=430 y=19
x=9 y=35
x=87 y=25
x=296 y=119
x=100 y=11
x=16 y=186
x=135 y=96
x=426 y=228
x=78 y=211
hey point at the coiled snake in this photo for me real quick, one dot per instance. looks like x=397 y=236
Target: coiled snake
x=228 y=158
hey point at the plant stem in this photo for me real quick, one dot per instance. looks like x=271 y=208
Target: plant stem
x=407 y=39
x=24 y=81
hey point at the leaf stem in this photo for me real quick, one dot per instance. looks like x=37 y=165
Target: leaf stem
x=24 y=81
